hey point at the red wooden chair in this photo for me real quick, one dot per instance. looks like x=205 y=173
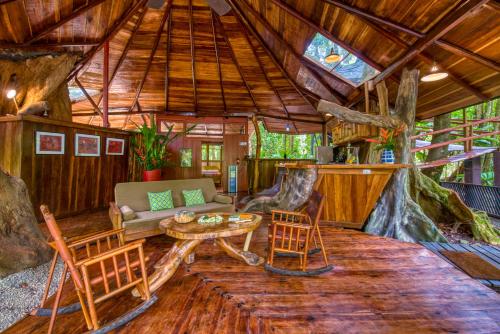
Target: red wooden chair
x=96 y=269
x=291 y=234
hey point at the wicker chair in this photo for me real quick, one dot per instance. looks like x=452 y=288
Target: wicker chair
x=291 y=234
x=95 y=264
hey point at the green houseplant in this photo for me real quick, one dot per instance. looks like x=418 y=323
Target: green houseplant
x=150 y=149
x=386 y=142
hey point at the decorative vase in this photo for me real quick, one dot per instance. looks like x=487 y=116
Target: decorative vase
x=151 y=175
x=387 y=157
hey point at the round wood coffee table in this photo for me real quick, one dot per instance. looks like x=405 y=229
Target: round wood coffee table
x=192 y=234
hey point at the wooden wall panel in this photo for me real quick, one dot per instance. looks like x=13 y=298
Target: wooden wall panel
x=66 y=183
x=10 y=143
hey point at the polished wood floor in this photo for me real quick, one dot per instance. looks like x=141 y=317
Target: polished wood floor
x=378 y=286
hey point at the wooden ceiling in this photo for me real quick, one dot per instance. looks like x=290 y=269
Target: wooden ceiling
x=186 y=59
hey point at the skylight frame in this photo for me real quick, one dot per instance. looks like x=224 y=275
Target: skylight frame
x=318 y=54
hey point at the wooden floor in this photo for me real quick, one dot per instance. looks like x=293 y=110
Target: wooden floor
x=378 y=286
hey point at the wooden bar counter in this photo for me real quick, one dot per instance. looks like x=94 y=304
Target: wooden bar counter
x=351 y=191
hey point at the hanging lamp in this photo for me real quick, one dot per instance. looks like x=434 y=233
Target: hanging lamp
x=333 y=57
x=434 y=74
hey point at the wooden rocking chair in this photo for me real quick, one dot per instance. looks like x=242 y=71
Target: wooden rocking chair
x=292 y=233
x=97 y=270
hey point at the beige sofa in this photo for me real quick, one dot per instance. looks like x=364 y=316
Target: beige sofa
x=145 y=224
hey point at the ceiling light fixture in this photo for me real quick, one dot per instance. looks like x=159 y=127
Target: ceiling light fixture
x=287 y=127
x=434 y=74
x=333 y=57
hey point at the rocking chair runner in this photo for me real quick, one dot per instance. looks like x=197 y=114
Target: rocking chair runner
x=88 y=285
x=292 y=233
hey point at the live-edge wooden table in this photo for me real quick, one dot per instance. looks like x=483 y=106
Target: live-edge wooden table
x=190 y=235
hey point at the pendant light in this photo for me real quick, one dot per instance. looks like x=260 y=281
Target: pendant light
x=434 y=74
x=333 y=57
x=11 y=91
x=287 y=127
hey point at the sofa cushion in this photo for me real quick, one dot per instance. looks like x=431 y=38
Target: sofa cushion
x=193 y=197
x=127 y=213
x=160 y=201
x=134 y=194
x=223 y=199
x=147 y=220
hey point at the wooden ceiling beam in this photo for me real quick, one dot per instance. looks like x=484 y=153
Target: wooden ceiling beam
x=263 y=70
x=47 y=46
x=164 y=18
x=91 y=100
x=4 y=2
x=109 y=36
x=193 y=67
x=294 y=119
x=450 y=21
x=216 y=48
x=235 y=61
x=125 y=50
x=371 y=18
x=287 y=47
x=292 y=11
x=82 y=9
x=167 y=60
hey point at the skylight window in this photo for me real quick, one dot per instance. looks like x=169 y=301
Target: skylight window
x=349 y=67
x=76 y=94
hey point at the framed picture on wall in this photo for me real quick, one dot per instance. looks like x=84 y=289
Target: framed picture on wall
x=49 y=142
x=186 y=157
x=115 y=146
x=87 y=145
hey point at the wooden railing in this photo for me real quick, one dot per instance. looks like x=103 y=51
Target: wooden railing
x=468 y=135
x=267 y=170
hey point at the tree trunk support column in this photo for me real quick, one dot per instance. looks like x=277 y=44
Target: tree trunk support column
x=496 y=167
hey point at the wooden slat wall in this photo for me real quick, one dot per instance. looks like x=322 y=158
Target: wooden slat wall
x=10 y=143
x=66 y=183
x=267 y=170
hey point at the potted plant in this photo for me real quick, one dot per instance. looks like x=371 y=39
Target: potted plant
x=150 y=149
x=386 y=142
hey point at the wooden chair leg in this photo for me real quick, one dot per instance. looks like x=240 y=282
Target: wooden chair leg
x=247 y=241
x=49 y=279
x=306 y=251
x=84 y=310
x=323 y=251
x=90 y=299
x=271 y=252
x=57 y=299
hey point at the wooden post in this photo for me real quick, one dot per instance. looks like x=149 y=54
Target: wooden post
x=255 y=185
x=472 y=171
x=105 y=86
x=325 y=135
x=367 y=98
x=496 y=168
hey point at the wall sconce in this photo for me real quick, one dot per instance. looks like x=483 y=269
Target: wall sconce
x=11 y=90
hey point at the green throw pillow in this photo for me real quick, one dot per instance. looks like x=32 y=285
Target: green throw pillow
x=161 y=201
x=193 y=197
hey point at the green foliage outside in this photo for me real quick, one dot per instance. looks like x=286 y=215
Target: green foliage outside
x=278 y=145
x=454 y=172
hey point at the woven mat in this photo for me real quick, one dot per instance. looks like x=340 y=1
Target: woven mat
x=473 y=264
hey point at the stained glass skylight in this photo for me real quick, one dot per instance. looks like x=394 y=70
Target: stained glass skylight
x=349 y=67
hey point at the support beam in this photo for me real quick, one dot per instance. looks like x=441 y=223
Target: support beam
x=47 y=46
x=255 y=186
x=288 y=48
x=450 y=21
x=164 y=18
x=455 y=49
x=290 y=10
x=94 y=105
x=90 y=4
x=496 y=167
x=193 y=67
x=167 y=60
x=105 y=86
x=263 y=70
x=216 y=48
x=290 y=119
x=109 y=36
x=235 y=61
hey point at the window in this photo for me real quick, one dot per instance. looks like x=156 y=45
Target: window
x=211 y=158
x=186 y=157
x=76 y=94
x=350 y=67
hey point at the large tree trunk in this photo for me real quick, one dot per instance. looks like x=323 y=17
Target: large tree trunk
x=22 y=244
x=396 y=214
x=440 y=122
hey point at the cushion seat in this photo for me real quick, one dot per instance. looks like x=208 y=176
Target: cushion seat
x=149 y=220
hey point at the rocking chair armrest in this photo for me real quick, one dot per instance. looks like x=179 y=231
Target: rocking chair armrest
x=94 y=237
x=115 y=215
x=113 y=252
x=291 y=224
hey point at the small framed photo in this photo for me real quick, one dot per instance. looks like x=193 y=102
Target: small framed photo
x=115 y=146
x=87 y=145
x=50 y=142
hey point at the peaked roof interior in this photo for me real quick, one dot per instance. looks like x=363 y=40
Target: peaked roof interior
x=185 y=59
